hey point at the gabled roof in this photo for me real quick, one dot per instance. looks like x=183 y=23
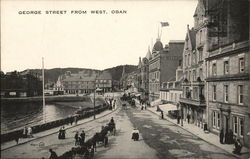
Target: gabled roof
x=192 y=37
x=79 y=78
x=201 y=5
x=104 y=75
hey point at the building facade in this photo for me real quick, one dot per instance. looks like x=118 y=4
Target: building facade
x=171 y=91
x=193 y=103
x=228 y=70
x=104 y=82
x=162 y=65
x=143 y=76
x=78 y=83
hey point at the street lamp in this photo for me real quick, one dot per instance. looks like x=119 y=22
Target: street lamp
x=94 y=97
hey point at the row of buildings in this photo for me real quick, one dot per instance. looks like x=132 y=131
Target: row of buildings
x=207 y=74
x=16 y=84
x=81 y=82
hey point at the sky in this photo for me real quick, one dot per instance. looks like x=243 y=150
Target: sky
x=96 y=41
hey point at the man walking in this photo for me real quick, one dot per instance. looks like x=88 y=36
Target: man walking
x=82 y=137
x=76 y=139
x=53 y=154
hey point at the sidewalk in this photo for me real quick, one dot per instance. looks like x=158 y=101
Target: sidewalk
x=208 y=137
x=42 y=134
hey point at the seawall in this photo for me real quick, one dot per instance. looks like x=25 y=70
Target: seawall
x=48 y=99
x=46 y=126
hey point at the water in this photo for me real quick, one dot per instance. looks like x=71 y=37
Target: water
x=16 y=116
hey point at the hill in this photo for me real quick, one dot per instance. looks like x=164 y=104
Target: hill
x=51 y=75
x=116 y=72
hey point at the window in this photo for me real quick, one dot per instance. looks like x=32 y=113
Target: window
x=235 y=126
x=226 y=93
x=214 y=69
x=189 y=77
x=238 y=126
x=194 y=75
x=200 y=55
x=241 y=65
x=226 y=67
x=194 y=58
x=200 y=74
x=241 y=126
x=216 y=120
x=185 y=61
x=200 y=36
x=188 y=59
x=240 y=94
x=214 y=92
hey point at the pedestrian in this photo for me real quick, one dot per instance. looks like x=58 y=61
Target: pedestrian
x=142 y=107
x=188 y=117
x=135 y=134
x=82 y=136
x=25 y=132
x=178 y=119
x=29 y=132
x=238 y=146
x=162 y=115
x=53 y=154
x=71 y=120
x=75 y=119
x=76 y=139
x=17 y=138
x=222 y=136
x=63 y=132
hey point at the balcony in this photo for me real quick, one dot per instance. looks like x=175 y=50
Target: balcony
x=197 y=102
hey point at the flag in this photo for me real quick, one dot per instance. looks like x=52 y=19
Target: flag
x=164 y=24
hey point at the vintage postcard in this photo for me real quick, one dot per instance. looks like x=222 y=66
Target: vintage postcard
x=132 y=79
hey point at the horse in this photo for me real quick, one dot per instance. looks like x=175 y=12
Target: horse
x=111 y=128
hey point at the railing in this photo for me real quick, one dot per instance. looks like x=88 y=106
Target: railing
x=196 y=102
x=46 y=126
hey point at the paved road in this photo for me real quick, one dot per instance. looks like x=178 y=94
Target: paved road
x=158 y=139
x=171 y=141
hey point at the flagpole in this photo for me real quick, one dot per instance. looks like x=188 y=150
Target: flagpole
x=43 y=90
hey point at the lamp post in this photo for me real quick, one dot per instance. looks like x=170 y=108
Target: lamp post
x=94 y=97
x=43 y=90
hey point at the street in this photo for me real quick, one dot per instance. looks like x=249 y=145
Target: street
x=158 y=139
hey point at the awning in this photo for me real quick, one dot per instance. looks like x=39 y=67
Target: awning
x=98 y=89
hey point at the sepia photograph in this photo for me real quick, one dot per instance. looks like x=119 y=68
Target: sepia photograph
x=125 y=79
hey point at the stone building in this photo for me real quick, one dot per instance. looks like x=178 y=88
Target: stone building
x=77 y=83
x=171 y=91
x=104 y=81
x=162 y=65
x=228 y=69
x=193 y=101
x=143 y=75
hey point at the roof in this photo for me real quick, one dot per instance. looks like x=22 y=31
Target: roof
x=176 y=41
x=104 y=75
x=201 y=5
x=158 y=46
x=191 y=34
x=79 y=78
